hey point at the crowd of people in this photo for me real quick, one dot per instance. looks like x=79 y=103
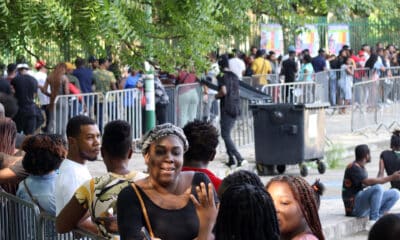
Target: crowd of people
x=177 y=187
x=35 y=89
x=51 y=172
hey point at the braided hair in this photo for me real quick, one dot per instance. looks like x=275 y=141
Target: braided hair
x=246 y=212
x=305 y=196
x=239 y=177
x=395 y=140
x=8 y=135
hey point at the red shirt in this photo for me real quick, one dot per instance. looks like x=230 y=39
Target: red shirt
x=216 y=181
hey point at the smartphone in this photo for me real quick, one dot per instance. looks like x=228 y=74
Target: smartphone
x=145 y=233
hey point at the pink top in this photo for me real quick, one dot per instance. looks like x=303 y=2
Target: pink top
x=305 y=236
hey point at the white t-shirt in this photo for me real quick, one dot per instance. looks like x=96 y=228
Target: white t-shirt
x=41 y=79
x=237 y=66
x=70 y=177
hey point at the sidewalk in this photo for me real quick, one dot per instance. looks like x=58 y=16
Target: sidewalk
x=334 y=223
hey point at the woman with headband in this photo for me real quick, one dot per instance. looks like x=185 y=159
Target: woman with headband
x=160 y=204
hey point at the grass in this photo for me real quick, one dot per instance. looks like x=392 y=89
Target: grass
x=334 y=156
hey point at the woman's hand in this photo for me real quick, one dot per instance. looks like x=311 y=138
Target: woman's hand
x=206 y=210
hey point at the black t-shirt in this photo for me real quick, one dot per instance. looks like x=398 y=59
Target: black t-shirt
x=289 y=69
x=166 y=224
x=25 y=88
x=352 y=184
x=392 y=164
x=5 y=86
x=230 y=103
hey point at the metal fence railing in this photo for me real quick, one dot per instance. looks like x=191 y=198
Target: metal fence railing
x=124 y=105
x=68 y=106
x=296 y=92
x=376 y=104
x=20 y=219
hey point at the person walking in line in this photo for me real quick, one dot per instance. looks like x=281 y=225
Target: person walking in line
x=228 y=92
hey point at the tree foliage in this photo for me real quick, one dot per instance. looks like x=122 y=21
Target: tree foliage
x=170 y=31
x=174 y=32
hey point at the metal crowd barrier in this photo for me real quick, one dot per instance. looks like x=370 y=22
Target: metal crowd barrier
x=68 y=106
x=18 y=219
x=322 y=86
x=296 y=92
x=255 y=80
x=243 y=131
x=22 y=220
x=170 y=89
x=376 y=104
x=124 y=105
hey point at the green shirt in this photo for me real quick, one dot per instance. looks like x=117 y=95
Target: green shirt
x=103 y=80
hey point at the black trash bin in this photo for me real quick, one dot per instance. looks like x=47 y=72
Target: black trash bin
x=287 y=134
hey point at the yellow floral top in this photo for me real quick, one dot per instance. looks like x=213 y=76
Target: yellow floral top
x=99 y=195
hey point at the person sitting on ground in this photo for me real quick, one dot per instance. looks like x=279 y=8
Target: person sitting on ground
x=11 y=170
x=360 y=200
x=203 y=141
x=43 y=155
x=162 y=199
x=296 y=208
x=387 y=227
x=99 y=195
x=390 y=159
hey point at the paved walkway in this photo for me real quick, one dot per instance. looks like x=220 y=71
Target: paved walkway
x=334 y=223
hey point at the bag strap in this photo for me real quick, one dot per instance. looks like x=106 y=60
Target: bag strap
x=144 y=211
x=34 y=200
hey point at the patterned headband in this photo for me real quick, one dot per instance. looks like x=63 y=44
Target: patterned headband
x=160 y=131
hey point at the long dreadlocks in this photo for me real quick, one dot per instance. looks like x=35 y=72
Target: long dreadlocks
x=305 y=195
x=246 y=212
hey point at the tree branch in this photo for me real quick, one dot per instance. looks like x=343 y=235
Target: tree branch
x=31 y=53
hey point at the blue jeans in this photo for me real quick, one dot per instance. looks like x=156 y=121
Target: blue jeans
x=227 y=122
x=374 y=201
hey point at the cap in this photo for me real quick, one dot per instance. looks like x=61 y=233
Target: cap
x=22 y=65
x=70 y=66
x=291 y=49
x=321 y=50
x=39 y=64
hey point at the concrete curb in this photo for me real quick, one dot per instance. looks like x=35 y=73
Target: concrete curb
x=345 y=227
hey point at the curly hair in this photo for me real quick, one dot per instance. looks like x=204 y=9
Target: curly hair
x=246 y=212
x=305 y=196
x=44 y=153
x=203 y=140
x=117 y=138
x=8 y=135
